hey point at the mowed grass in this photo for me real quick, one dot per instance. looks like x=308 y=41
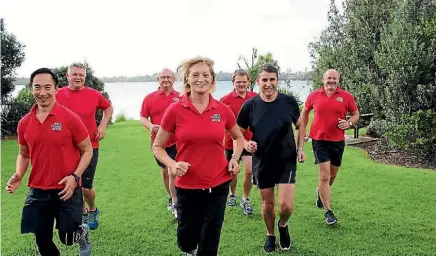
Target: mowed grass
x=382 y=210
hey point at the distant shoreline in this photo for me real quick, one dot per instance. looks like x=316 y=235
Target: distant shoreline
x=24 y=81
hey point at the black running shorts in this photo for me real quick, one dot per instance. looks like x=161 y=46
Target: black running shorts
x=325 y=151
x=42 y=207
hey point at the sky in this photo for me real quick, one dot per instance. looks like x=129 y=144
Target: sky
x=142 y=37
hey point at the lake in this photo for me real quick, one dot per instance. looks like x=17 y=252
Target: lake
x=127 y=97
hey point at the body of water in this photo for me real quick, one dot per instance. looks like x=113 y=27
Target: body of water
x=127 y=97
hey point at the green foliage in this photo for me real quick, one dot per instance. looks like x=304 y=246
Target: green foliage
x=386 y=54
x=120 y=118
x=416 y=131
x=90 y=81
x=253 y=66
x=12 y=55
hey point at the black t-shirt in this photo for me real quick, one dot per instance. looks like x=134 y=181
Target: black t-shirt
x=271 y=124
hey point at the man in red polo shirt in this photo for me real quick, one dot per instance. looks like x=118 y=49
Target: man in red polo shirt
x=234 y=100
x=152 y=111
x=330 y=104
x=56 y=143
x=85 y=101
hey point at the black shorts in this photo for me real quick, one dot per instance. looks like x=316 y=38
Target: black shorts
x=229 y=153
x=171 y=151
x=42 y=207
x=88 y=174
x=267 y=175
x=325 y=151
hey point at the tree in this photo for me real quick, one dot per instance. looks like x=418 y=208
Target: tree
x=12 y=56
x=386 y=54
x=253 y=66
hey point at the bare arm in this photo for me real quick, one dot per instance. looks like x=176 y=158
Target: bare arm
x=354 y=117
x=107 y=114
x=161 y=139
x=238 y=141
x=243 y=131
x=85 y=147
x=301 y=133
x=304 y=118
x=23 y=160
x=146 y=123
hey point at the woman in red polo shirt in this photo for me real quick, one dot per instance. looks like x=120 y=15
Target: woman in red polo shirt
x=199 y=123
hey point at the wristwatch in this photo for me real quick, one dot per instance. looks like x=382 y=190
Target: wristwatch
x=76 y=178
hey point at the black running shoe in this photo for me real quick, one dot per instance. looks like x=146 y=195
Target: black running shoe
x=330 y=218
x=285 y=238
x=270 y=244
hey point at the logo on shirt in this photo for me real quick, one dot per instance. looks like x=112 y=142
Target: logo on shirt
x=340 y=99
x=216 y=118
x=56 y=127
x=175 y=99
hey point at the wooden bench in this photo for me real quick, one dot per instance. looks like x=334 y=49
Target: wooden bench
x=356 y=128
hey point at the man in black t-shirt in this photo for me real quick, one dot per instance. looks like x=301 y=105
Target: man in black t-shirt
x=270 y=116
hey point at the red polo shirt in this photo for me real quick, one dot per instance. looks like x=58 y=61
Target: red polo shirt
x=199 y=141
x=85 y=103
x=52 y=145
x=234 y=101
x=327 y=111
x=154 y=106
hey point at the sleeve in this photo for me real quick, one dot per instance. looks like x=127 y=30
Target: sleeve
x=351 y=106
x=20 y=133
x=243 y=119
x=103 y=103
x=168 y=122
x=78 y=129
x=230 y=118
x=145 y=110
x=295 y=109
x=309 y=102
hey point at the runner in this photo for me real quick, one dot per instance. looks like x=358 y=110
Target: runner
x=331 y=104
x=85 y=101
x=199 y=123
x=153 y=107
x=270 y=116
x=234 y=100
x=56 y=143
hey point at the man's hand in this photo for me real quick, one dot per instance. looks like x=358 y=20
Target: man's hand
x=233 y=166
x=179 y=169
x=155 y=128
x=13 y=183
x=70 y=185
x=251 y=146
x=301 y=156
x=100 y=133
x=343 y=124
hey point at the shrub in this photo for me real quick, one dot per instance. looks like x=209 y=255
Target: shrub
x=415 y=132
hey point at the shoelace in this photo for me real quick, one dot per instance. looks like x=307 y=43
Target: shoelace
x=246 y=204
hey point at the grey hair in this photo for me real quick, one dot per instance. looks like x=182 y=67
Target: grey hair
x=77 y=65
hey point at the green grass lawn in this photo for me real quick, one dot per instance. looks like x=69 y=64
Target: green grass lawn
x=382 y=210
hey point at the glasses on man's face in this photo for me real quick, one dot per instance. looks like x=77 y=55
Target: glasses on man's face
x=165 y=77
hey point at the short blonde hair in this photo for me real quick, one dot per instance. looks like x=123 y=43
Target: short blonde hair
x=185 y=68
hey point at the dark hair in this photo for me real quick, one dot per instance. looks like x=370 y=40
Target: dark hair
x=44 y=71
x=240 y=72
x=269 y=68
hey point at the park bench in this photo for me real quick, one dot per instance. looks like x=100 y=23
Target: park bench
x=363 y=117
